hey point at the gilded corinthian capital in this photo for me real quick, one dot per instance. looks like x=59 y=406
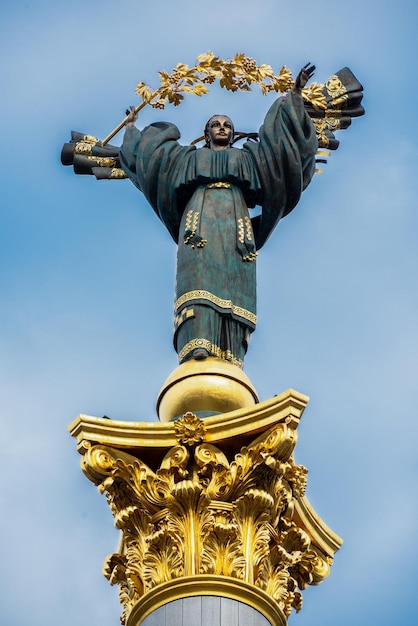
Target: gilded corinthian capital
x=209 y=502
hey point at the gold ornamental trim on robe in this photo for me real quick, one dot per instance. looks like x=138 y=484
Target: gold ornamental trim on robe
x=213 y=349
x=201 y=294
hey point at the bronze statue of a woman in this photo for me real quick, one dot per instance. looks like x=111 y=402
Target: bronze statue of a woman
x=203 y=196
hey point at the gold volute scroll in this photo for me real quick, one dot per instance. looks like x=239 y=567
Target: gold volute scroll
x=214 y=505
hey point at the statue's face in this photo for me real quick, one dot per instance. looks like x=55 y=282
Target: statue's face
x=220 y=132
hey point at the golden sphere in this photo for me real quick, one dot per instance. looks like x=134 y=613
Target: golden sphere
x=210 y=385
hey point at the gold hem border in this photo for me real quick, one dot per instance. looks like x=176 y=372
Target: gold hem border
x=212 y=348
x=227 y=305
x=207 y=585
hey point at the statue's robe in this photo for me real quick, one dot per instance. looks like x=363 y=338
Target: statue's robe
x=203 y=197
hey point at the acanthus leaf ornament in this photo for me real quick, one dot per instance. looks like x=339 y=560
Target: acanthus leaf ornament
x=200 y=513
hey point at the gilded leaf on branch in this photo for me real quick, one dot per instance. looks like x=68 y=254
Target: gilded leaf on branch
x=237 y=74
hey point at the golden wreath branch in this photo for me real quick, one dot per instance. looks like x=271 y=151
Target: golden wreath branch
x=237 y=74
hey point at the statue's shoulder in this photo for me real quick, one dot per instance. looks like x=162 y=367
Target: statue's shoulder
x=167 y=129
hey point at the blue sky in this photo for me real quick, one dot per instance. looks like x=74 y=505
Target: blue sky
x=87 y=281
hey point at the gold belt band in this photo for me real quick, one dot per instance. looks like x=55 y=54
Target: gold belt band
x=219 y=185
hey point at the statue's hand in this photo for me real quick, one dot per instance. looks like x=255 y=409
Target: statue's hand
x=131 y=116
x=302 y=78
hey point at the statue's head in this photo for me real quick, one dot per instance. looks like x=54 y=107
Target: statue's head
x=219 y=132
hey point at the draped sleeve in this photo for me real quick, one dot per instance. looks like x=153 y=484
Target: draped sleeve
x=285 y=160
x=154 y=161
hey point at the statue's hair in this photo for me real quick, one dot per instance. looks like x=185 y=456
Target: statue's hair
x=206 y=129
x=236 y=135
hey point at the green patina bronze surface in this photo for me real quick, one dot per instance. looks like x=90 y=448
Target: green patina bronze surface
x=203 y=196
